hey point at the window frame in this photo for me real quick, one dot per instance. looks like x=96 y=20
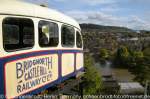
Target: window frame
x=18 y=49
x=48 y=21
x=70 y=46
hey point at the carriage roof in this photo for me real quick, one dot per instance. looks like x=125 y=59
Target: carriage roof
x=15 y=7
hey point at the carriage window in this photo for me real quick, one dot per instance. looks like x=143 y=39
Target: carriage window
x=68 y=36
x=79 y=40
x=48 y=34
x=18 y=33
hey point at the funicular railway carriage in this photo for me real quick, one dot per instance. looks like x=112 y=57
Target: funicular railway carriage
x=39 y=47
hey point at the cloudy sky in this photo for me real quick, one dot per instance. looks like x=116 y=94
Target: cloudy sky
x=133 y=14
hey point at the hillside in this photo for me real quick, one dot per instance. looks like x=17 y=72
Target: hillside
x=113 y=29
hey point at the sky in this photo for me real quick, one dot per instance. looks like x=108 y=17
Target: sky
x=134 y=14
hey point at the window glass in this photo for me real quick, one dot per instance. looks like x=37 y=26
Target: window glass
x=48 y=34
x=79 y=40
x=28 y=37
x=11 y=35
x=68 y=36
x=18 y=33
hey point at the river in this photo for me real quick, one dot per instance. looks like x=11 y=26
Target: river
x=121 y=75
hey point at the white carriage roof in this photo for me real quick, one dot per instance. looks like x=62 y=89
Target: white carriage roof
x=16 y=7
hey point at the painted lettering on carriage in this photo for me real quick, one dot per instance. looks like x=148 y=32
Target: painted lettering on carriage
x=31 y=73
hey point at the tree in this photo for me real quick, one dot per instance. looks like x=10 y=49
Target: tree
x=121 y=56
x=142 y=70
x=134 y=56
x=92 y=79
x=139 y=66
x=138 y=54
x=123 y=52
x=103 y=53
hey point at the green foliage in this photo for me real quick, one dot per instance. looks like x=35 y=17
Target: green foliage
x=147 y=52
x=141 y=70
x=123 y=52
x=138 y=64
x=133 y=58
x=138 y=54
x=135 y=61
x=121 y=57
x=92 y=79
x=104 y=53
